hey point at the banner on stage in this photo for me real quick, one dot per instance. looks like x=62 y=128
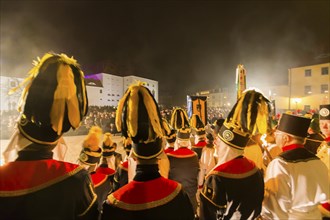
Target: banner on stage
x=197 y=105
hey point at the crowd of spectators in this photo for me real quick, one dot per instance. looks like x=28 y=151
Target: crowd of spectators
x=103 y=116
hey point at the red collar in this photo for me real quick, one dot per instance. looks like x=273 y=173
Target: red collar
x=236 y=166
x=327 y=139
x=98 y=179
x=292 y=147
x=200 y=144
x=28 y=176
x=182 y=152
x=131 y=193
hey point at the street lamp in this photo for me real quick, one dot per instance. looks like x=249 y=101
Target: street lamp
x=297 y=100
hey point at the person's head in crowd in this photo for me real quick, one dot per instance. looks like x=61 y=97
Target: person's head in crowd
x=53 y=100
x=127 y=145
x=314 y=126
x=216 y=126
x=169 y=133
x=292 y=129
x=91 y=152
x=198 y=126
x=209 y=140
x=248 y=117
x=138 y=118
x=325 y=120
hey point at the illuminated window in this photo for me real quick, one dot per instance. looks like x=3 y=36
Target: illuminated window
x=308 y=73
x=325 y=71
x=324 y=88
x=307 y=108
x=308 y=90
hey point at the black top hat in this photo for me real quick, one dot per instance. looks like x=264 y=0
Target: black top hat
x=294 y=125
x=54 y=99
x=138 y=117
x=324 y=112
x=248 y=116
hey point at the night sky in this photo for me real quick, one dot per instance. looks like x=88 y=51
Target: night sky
x=186 y=46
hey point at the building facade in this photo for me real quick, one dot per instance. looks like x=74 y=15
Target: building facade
x=9 y=102
x=102 y=89
x=307 y=88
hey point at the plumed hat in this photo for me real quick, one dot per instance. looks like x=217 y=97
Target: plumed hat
x=294 y=125
x=169 y=132
x=179 y=121
x=54 y=99
x=248 y=116
x=197 y=125
x=324 y=112
x=108 y=145
x=91 y=152
x=138 y=117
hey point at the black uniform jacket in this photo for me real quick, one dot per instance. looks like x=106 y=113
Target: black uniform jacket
x=148 y=197
x=121 y=176
x=233 y=190
x=184 y=168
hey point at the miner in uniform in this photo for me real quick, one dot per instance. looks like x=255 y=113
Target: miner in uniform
x=149 y=195
x=121 y=175
x=109 y=151
x=324 y=152
x=234 y=188
x=184 y=163
x=89 y=158
x=296 y=181
x=34 y=185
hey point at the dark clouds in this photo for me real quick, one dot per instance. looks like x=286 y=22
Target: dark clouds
x=185 y=45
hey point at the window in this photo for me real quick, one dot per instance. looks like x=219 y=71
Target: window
x=324 y=88
x=307 y=108
x=308 y=90
x=308 y=73
x=325 y=70
x=100 y=90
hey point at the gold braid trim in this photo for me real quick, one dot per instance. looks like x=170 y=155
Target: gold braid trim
x=33 y=139
x=148 y=205
x=182 y=156
x=40 y=187
x=211 y=201
x=234 y=175
x=93 y=201
x=149 y=157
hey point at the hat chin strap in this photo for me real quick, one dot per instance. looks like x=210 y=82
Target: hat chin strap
x=16 y=143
